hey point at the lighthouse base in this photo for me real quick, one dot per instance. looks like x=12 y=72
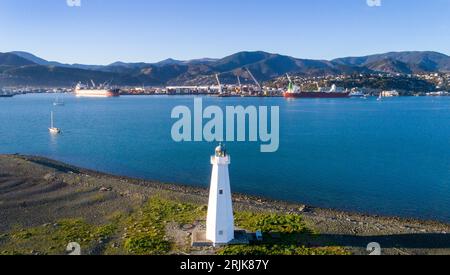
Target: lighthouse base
x=199 y=239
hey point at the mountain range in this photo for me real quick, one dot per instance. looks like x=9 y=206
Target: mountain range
x=22 y=68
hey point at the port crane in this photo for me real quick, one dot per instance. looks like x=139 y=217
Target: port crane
x=240 y=84
x=254 y=79
x=289 y=78
x=292 y=86
x=220 y=84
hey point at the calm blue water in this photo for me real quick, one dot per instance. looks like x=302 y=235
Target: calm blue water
x=389 y=157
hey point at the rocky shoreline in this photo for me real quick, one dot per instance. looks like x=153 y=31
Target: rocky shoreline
x=36 y=191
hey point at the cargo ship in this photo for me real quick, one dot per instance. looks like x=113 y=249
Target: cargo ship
x=96 y=91
x=295 y=92
x=5 y=93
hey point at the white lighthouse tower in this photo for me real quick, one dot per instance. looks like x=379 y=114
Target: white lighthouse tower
x=220 y=221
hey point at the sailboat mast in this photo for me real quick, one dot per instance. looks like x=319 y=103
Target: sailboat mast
x=52 y=119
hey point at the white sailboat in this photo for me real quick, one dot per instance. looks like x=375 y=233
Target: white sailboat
x=53 y=129
x=380 y=97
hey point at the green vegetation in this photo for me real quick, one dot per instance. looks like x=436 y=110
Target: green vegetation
x=143 y=232
x=405 y=85
x=267 y=223
x=147 y=231
x=284 y=234
x=53 y=239
x=279 y=249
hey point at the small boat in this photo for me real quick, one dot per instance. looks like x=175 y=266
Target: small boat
x=357 y=93
x=53 y=129
x=380 y=97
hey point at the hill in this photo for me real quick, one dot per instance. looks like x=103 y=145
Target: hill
x=402 y=62
x=21 y=68
x=8 y=59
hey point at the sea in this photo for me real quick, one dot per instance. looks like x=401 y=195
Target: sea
x=388 y=157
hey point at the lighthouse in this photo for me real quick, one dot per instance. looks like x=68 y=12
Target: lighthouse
x=220 y=220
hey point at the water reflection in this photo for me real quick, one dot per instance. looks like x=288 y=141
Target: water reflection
x=53 y=142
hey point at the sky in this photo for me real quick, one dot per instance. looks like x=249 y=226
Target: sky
x=105 y=31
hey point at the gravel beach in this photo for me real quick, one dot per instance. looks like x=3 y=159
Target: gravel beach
x=35 y=191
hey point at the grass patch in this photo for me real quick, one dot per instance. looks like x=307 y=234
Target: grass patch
x=145 y=232
x=53 y=239
x=3 y=237
x=142 y=232
x=272 y=223
x=284 y=234
x=281 y=249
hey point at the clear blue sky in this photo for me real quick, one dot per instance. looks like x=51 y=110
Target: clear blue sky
x=104 y=31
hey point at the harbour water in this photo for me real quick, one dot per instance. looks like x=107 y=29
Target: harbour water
x=387 y=157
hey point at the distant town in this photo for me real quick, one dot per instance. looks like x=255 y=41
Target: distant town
x=431 y=84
